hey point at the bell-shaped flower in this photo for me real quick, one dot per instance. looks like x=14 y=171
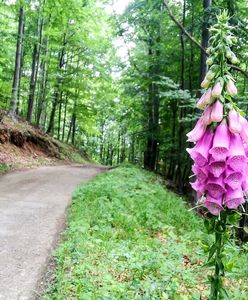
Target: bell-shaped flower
x=221 y=142
x=231 y=88
x=197 y=132
x=234 y=121
x=201 y=102
x=217 y=90
x=237 y=158
x=244 y=129
x=216 y=167
x=233 y=179
x=199 y=187
x=217 y=111
x=200 y=172
x=200 y=152
x=245 y=187
x=206 y=118
x=234 y=198
x=213 y=205
x=215 y=186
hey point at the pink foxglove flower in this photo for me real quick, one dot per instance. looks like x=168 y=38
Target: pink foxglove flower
x=215 y=187
x=217 y=90
x=200 y=172
x=201 y=150
x=244 y=129
x=234 y=198
x=213 y=205
x=206 y=118
x=216 y=167
x=234 y=121
x=245 y=187
x=198 y=131
x=208 y=96
x=199 y=187
x=237 y=158
x=217 y=112
x=233 y=178
x=201 y=102
x=231 y=88
x=221 y=142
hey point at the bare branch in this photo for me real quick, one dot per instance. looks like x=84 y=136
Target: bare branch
x=193 y=40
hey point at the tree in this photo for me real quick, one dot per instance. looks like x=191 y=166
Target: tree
x=16 y=77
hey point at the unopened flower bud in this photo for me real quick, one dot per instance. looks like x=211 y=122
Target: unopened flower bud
x=216 y=92
x=234 y=121
x=210 y=75
x=205 y=83
x=209 y=61
x=231 y=88
x=201 y=102
x=208 y=96
x=209 y=50
x=234 y=60
x=217 y=112
x=229 y=54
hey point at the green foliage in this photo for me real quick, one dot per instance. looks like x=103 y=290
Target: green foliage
x=129 y=238
x=4 y=168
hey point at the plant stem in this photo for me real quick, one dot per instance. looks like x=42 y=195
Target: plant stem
x=217 y=280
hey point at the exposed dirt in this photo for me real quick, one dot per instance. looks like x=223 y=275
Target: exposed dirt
x=24 y=145
x=33 y=205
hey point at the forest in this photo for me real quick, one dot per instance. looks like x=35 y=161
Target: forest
x=123 y=86
x=120 y=81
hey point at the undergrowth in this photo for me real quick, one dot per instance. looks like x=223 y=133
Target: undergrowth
x=129 y=238
x=4 y=168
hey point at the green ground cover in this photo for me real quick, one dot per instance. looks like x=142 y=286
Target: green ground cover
x=130 y=238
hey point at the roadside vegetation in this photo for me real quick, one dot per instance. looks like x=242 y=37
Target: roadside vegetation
x=130 y=238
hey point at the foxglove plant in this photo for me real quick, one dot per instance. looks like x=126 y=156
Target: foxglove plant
x=219 y=154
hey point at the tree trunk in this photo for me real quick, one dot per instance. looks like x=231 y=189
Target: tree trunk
x=205 y=37
x=57 y=88
x=16 y=79
x=118 y=148
x=35 y=68
x=42 y=84
x=64 y=121
x=73 y=128
x=153 y=104
x=181 y=110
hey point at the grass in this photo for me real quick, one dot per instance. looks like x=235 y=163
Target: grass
x=4 y=168
x=129 y=238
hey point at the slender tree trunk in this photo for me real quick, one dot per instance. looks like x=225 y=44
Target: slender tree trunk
x=35 y=67
x=73 y=128
x=118 y=148
x=16 y=79
x=43 y=82
x=60 y=112
x=64 y=121
x=57 y=88
x=181 y=110
x=69 y=132
x=191 y=62
x=205 y=37
x=153 y=104
x=123 y=150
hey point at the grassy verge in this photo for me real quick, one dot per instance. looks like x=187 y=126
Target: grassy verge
x=4 y=168
x=129 y=238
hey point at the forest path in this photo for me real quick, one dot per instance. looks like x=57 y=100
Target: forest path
x=32 y=214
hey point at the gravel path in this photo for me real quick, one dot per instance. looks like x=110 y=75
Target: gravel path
x=32 y=213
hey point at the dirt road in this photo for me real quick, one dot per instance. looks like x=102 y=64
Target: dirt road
x=32 y=214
